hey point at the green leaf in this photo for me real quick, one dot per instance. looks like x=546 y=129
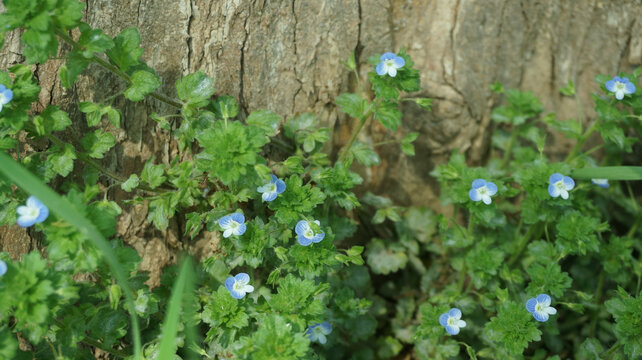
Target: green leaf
x=93 y=41
x=195 y=88
x=627 y=312
x=75 y=65
x=181 y=294
x=569 y=89
x=131 y=183
x=63 y=209
x=365 y=154
x=62 y=161
x=384 y=259
x=266 y=120
x=406 y=144
x=388 y=115
x=424 y=103
x=226 y=107
x=352 y=104
x=153 y=174
x=51 y=119
x=143 y=83
x=547 y=279
x=97 y=143
x=126 y=51
x=512 y=329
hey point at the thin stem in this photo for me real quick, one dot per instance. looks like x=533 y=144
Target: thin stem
x=160 y=97
x=613 y=348
x=582 y=140
x=598 y=298
x=524 y=241
x=353 y=137
x=509 y=148
x=384 y=143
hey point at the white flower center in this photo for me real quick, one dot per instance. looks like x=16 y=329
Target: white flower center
x=234 y=225
x=2 y=98
x=390 y=63
x=560 y=185
x=33 y=212
x=238 y=286
x=272 y=187
x=452 y=321
x=539 y=307
x=308 y=233
x=619 y=86
x=482 y=191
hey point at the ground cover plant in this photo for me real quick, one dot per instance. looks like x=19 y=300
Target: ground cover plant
x=541 y=258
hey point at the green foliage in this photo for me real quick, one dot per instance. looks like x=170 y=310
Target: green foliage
x=142 y=83
x=512 y=329
x=126 y=51
x=627 y=312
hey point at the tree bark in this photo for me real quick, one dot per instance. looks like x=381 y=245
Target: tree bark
x=286 y=56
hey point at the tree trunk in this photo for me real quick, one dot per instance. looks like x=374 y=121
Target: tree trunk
x=286 y=56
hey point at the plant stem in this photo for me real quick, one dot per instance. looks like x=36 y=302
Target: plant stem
x=160 y=97
x=582 y=140
x=353 y=137
x=598 y=298
x=524 y=241
x=509 y=148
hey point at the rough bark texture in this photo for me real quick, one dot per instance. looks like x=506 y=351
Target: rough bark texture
x=286 y=56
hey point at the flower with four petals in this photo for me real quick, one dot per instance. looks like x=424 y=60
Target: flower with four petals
x=238 y=285
x=452 y=321
x=233 y=224
x=33 y=213
x=306 y=234
x=560 y=185
x=270 y=190
x=540 y=307
x=318 y=332
x=482 y=190
x=389 y=64
x=5 y=96
x=620 y=86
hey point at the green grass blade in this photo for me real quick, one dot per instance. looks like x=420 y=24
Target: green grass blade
x=609 y=172
x=182 y=293
x=60 y=207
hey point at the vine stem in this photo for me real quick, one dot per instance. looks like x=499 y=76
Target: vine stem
x=160 y=97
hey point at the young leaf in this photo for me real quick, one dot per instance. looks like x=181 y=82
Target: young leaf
x=143 y=83
x=97 y=143
x=195 y=88
x=352 y=104
x=126 y=51
x=388 y=115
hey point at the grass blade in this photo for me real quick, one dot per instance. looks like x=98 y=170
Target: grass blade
x=59 y=206
x=609 y=172
x=182 y=293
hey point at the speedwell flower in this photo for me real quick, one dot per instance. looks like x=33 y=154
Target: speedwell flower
x=271 y=189
x=35 y=212
x=560 y=185
x=307 y=235
x=540 y=307
x=238 y=285
x=452 y=321
x=233 y=224
x=318 y=332
x=5 y=96
x=620 y=86
x=482 y=190
x=3 y=267
x=603 y=183
x=389 y=64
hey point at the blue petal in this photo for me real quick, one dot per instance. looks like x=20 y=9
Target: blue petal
x=229 y=283
x=43 y=214
x=2 y=88
x=603 y=183
x=452 y=330
x=269 y=196
x=224 y=222
x=530 y=305
x=399 y=61
x=568 y=183
x=8 y=95
x=544 y=299
x=443 y=319
x=454 y=312
x=238 y=217
x=477 y=183
x=492 y=188
x=237 y=294
x=3 y=267
x=540 y=316
x=610 y=85
x=274 y=178
x=624 y=80
x=381 y=69
x=326 y=327
x=552 y=191
x=280 y=186
x=303 y=240
x=25 y=221
x=388 y=56
x=318 y=237
x=242 y=277
x=301 y=227
x=630 y=88
x=555 y=177
x=473 y=194
x=617 y=78
x=240 y=230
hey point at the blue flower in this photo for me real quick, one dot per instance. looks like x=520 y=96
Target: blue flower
x=560 y=185
x=5 y=96
x=35 y=212
x=233 y=224
x=540 y=307
x=452 y=321
x=307 y=235
x=318 y=332
x=482 y=190
x=620 y=86
x=238 y=285
x=389 y=64
x=603 y=183
x=271 y=189
x=3 y=267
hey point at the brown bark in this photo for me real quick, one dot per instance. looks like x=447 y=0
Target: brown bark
x=286 y=56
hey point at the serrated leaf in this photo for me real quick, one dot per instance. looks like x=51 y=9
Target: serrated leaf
x=126 y=51
x=352 y=104
x=62 y=161
x=131 y=183
x=93 y=41
x=142 y=83
x=195 y=88
x=153 y=174
x=365 y=154
x=97 y=143
x=388 y=115
x=266 y=120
